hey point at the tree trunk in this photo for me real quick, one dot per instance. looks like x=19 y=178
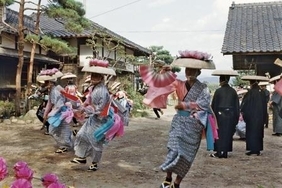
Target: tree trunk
x=21 y=58
x=32 y=53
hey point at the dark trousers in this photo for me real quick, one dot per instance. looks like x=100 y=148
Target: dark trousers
x=156 y=111
x=40 y=113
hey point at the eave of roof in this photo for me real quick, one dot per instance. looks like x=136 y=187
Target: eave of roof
x=253 y=28
x=14 y=53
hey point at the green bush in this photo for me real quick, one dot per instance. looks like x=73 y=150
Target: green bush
x=7 y=109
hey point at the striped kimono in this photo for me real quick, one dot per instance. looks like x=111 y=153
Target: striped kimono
x=85 y=143
x=186 y=131
x=62 y=133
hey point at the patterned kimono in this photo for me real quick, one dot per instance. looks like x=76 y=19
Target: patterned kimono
x=85 y=144
x=62 y=133
x=186 y=131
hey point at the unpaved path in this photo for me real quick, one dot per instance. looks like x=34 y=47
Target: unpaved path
x=132 y=161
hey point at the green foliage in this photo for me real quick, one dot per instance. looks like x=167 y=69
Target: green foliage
x=70 y=12
x=175 y=69
x=6 y=2
x=56 y=45
x=238 y=81
x=161 y=54
x=32 y=38
x=6 y=109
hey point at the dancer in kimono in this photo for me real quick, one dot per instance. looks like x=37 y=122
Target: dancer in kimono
x=191 y=118
x=225 y=104
x=276 y=103
x=254 y=109
x=86 y=144
x=71 y=88
x=59 y=127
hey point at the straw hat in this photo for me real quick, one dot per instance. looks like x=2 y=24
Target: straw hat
x=225 y=72
x=263 y=83
x=99 y=66
x=254 y=77
x=278 y=62
x=68 y=75
x=194 y=60
x=193 y=63
x=88 y=79
x=49 y=75
x=275 y=78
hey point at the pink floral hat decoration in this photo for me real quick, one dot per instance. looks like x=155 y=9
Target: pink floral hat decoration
x=194 y=60
x=99 y=66
x=49 y=74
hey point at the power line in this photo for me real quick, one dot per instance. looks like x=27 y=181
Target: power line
x=171 y=31
x=115 y=9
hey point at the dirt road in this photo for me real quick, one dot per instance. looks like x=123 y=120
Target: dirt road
x=133 y=160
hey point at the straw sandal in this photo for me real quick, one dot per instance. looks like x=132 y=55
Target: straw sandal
x=61 y=150
x=78 y=160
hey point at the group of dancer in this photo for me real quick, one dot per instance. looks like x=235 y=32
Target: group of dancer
x=102 y=115
x=106 y=117
x=196 y=105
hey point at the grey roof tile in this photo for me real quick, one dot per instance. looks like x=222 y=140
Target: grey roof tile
x=253 y=27
x=12 y=20
x=56 y=28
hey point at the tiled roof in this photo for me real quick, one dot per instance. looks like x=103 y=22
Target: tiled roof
x=12 y=21
x=56 y=28
x=253 y=27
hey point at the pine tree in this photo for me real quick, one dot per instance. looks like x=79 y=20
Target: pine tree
x=70 y=12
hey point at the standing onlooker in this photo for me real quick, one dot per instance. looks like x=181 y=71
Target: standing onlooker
x=191 y=118
x=225 y=104
x=86 y=144
x=276 y=103
x=267 y=97
x=254 y=109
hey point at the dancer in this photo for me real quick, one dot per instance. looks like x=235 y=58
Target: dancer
x=192 y=114
x=71 y=89
x=59 y=127
x=86 y=144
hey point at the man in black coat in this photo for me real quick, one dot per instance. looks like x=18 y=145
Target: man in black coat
x=225 y=105
x=254 y=110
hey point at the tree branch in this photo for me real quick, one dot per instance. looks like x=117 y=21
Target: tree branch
x=35 y=9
